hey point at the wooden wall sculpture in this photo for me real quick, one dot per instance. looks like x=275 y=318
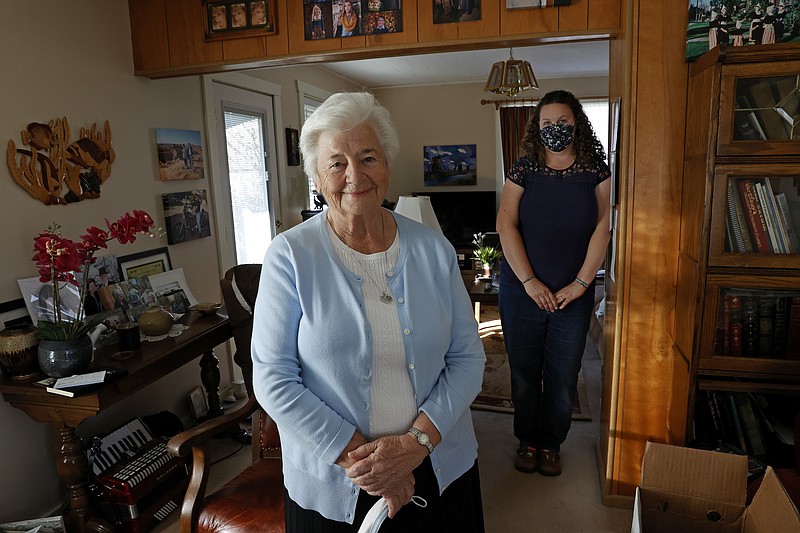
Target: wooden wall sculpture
x=51 y=161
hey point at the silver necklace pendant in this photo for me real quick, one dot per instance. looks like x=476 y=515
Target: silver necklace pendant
x=385 y=298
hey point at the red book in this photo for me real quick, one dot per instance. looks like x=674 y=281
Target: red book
x=733 y=325
x=754 y=216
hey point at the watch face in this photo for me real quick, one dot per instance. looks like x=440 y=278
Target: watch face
x=423 y=438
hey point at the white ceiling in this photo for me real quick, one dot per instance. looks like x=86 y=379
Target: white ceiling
x=560 y=60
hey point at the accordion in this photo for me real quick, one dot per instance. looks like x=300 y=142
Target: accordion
x=137 y=482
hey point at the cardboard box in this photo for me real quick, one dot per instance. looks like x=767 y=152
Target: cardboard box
x=698 y=491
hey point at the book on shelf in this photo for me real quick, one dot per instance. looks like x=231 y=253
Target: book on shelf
x=754 y=216
x=750 y=325
x=717 y=415
x=783 y=207
x=780 y=327
x=747 y=124
x=793 y=328
x=737 y=225
x=766 y=325
x=762 y=204
x=750 y=425
x=734 y=422
x=769 y=218
x=732 y=323
x=776 y=214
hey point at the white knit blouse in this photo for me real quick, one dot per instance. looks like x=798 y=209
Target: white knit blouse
x=392 y=404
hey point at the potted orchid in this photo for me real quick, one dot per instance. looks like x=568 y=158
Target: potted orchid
x=58 y=259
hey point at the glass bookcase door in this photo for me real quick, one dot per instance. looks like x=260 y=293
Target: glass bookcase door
x=767 y=109
x=756 y=216
x=760 y=110
x=751 y=327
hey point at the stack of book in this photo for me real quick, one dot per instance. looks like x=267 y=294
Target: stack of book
x=758 y=219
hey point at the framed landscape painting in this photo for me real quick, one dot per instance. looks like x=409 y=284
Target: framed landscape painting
x=450 y=165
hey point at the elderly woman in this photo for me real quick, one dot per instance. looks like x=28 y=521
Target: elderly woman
x=365 y=349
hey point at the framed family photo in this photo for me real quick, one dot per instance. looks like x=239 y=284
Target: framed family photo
x=226 y=19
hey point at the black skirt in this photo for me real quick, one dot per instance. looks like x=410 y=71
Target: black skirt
x=457 y=510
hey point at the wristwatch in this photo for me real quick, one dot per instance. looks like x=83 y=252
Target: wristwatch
x=422 y=438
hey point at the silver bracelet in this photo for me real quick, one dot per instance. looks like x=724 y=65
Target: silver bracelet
x=581 y=282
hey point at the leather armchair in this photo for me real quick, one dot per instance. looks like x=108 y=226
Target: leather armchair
x=253 y=500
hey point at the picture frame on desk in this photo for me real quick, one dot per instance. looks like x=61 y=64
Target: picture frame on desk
x=38 y=298
x=147 y=263
x=197 y=402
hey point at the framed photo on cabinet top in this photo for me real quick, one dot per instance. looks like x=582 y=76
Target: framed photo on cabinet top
x=228 y=19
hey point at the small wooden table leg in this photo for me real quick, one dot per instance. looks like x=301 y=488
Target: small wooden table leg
x=209 y=375
x=72 y=467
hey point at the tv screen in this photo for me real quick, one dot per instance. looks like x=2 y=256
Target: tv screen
x=462 y=214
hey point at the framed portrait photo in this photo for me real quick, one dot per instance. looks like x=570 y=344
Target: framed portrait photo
x=144 y=264
x=227 y=19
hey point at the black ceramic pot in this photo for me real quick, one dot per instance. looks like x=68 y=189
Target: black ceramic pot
x=59 y=359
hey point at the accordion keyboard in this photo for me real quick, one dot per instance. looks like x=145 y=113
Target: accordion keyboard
x=144 y=464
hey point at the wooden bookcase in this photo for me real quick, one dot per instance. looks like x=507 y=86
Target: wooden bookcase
x=738 y=295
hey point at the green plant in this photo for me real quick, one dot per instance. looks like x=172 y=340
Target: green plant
x=488 y=255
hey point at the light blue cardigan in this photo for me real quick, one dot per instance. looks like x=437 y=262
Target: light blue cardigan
x=312 y=356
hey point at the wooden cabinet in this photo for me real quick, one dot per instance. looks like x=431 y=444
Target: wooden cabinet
x=168 y=35
x=738 y=294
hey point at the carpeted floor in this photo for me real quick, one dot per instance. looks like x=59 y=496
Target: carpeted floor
x=496 y=391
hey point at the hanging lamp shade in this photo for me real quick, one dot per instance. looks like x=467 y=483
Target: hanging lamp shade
x=511 y=77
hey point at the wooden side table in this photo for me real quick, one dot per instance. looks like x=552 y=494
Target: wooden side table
x=150 y=362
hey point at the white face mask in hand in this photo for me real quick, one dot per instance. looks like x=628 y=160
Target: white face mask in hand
x=378 y=513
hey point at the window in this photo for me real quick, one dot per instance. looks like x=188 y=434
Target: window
x=310 y=99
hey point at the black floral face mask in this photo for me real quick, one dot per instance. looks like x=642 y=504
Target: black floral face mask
x=556 y=137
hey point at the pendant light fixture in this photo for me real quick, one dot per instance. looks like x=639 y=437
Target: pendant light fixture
x=511 y=77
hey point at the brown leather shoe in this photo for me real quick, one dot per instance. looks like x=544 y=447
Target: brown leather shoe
x=549 y=463
x=527 y=460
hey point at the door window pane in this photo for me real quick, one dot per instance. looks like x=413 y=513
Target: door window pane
x=249 y=182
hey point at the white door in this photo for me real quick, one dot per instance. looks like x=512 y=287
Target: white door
x=244 y=174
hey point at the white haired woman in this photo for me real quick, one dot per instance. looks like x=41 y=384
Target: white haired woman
x=365 y=349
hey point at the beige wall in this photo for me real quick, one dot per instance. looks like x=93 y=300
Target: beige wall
x=82 y=70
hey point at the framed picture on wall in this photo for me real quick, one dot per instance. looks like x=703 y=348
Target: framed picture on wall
x=180 y=154
x=326 y=19
x=292 y=147
x=739 y=24
x=186 y=216
x=454 y=164
x=227 y=19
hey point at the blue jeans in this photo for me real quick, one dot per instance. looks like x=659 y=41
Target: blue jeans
x=544 y=353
